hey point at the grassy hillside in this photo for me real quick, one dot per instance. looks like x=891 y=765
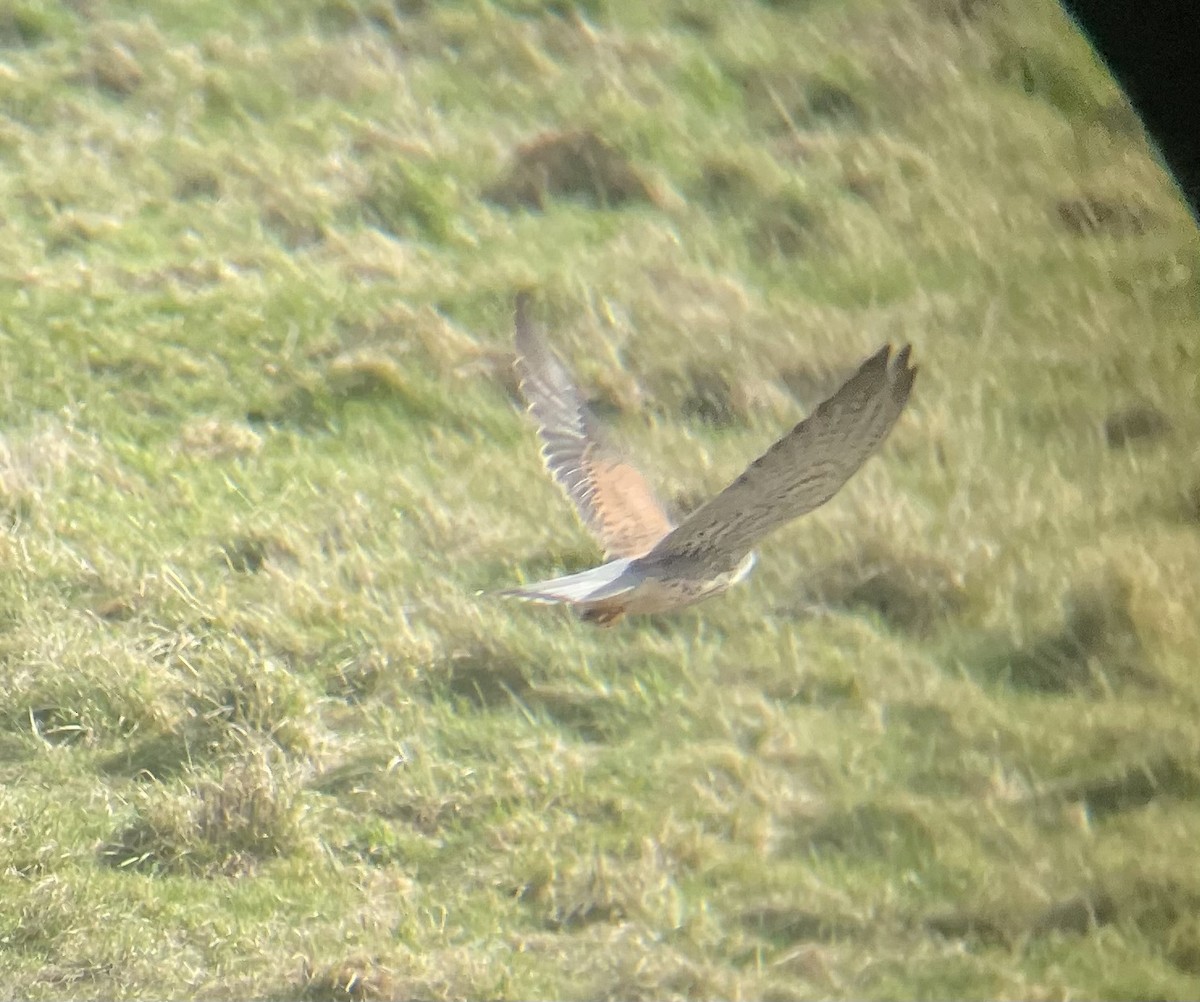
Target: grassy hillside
x=259 y=736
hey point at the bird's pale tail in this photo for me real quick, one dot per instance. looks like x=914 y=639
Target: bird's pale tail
x=596 y=584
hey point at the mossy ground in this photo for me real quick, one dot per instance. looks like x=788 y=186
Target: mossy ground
x=259 y=737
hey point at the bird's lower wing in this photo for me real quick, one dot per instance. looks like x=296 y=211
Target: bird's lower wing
x=612 y=497
x=801 y=471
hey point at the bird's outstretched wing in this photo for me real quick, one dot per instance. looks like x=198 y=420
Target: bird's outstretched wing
x=612 y=498
x=801 y=471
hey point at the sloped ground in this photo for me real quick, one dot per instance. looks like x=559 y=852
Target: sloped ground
x=259 y=736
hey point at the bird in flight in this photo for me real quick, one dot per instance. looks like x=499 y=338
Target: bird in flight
x=652 y=565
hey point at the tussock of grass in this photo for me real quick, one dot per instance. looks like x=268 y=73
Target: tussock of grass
x=211 y=438
x=224 y=827
x=579 y=164
x=262 y=737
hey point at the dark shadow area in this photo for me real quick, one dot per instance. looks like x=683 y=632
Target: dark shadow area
x=1094 y=215
x=1140 y=423
x=910 y=594
x=868 y=830
x=579 y=165
x=1135 y=787
x=787 y=926
x=1096 y=650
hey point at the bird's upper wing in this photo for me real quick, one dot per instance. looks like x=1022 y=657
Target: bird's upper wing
x=612 y=498
x=801 y=471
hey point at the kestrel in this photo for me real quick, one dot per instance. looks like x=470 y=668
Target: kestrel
x=654 y=566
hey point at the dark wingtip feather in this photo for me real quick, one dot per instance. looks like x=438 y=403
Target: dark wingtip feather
x=903 y=373
x=877 y=361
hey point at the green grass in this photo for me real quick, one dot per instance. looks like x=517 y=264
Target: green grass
x=259 y=735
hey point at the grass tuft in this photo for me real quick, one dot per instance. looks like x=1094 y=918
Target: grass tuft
x=227 y=827
x=578 y=165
